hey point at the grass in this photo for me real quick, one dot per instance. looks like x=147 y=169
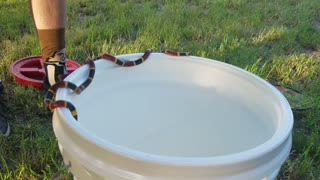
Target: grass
x=277 y=40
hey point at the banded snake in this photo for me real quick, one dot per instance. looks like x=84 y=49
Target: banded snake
x=51 y=103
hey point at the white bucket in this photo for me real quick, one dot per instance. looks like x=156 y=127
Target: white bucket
x=173 y=118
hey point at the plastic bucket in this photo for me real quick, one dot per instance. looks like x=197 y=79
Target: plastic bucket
x=173 y=118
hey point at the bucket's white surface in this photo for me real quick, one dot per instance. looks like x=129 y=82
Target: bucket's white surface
x=174 y=118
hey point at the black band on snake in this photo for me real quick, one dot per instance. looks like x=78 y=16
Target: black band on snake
x=50 y=102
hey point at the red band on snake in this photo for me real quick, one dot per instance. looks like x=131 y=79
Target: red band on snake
x=172 y=53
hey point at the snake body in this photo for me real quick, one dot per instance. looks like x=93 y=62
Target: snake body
x=50 y=101
x=50 y=95
x=126 y=63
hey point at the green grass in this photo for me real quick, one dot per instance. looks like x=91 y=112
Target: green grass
x=277 y=40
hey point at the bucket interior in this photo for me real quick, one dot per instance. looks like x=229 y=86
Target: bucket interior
x=177 y=107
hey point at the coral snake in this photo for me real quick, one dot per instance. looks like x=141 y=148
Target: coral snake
x=51 y=103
